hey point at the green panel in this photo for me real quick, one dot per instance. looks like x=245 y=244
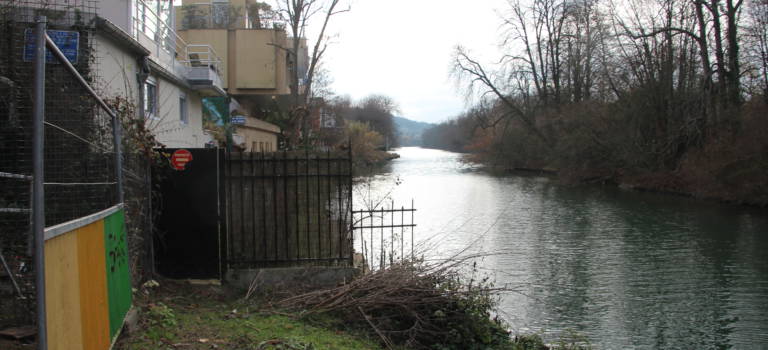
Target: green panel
x=118 y=275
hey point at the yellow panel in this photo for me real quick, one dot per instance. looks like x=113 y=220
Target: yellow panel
x=94 y=306
x=255 y=59
x=62 y=295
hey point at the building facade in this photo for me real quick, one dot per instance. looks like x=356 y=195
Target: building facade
x=168 y=81
x=256 y=64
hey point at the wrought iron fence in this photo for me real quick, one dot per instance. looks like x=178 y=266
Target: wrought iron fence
x=385 y=235
x=288 y=209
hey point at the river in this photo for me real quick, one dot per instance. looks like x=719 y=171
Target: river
x=626 y=270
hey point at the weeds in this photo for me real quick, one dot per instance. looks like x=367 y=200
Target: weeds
x=161 y=315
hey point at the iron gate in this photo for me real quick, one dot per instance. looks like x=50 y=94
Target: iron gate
x=288 y=209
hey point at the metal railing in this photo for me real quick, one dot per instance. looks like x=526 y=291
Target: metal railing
x=384 y=235
x=201 y=56
x=223 y=15
x=146 y=21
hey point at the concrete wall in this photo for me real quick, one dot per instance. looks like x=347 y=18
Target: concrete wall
x=251 y=63
x=255 y=60
x=256 y=64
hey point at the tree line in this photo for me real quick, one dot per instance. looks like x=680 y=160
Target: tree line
x=367 y=124
x=668 y=94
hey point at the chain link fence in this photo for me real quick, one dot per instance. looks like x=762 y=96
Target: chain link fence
x=79 y=154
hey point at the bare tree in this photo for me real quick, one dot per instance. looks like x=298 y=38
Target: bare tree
x=300 y=14
x=473 y=75
x=757 y=50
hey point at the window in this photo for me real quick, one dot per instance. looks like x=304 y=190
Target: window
x=150 y=99
x=183 y=111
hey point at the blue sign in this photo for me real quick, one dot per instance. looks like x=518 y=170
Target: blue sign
x=67 y=41
x=238 y=119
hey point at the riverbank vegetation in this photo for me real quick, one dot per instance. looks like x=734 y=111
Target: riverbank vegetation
x=664 y=95
x=418 y=305
x=440 y=304
x=367 y=124
x=177 y=315
x=407 y=306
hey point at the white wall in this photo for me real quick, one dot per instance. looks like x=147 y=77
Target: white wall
x=117 y=68
x=167 y=126
x=117 y=12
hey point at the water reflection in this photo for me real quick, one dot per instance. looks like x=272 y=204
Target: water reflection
x=628 y=270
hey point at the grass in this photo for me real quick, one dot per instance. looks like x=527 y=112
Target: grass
x=180 y=316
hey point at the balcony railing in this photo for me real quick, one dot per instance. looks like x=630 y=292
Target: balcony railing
x=203 y=66
x=222 y=15
x=202 y=56
x=198 y=62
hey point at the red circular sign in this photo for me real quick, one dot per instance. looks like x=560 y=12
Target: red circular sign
x=180 y=158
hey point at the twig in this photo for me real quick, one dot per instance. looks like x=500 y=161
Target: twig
x=381 y=335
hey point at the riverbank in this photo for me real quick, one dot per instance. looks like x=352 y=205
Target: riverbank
x=373 y=158
x=747 y=188
x=590 y=143
x=174 y=314
x=179 y=315
x=615 y=265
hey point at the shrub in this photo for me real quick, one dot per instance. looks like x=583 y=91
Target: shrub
x=415 y=304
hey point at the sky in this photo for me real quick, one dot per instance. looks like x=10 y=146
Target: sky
x=403 y=49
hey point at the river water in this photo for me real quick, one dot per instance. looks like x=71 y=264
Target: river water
x=626 y=270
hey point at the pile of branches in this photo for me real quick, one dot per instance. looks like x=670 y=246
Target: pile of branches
x=416 y=304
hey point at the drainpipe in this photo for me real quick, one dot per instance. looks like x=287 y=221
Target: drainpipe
x=141 y=76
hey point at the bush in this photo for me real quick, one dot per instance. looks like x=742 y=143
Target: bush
x=365 y=143
x=415 y=304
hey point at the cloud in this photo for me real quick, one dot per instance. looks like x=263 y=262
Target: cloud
x=403 y=49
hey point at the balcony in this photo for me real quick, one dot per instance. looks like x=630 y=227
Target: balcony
x=197 y=65
x=228 y=14
x=203 y=69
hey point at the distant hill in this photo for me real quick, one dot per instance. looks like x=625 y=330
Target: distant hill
x=409 y=131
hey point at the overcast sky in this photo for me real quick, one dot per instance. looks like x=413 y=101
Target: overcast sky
x=402 y=48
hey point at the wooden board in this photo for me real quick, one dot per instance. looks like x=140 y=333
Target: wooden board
x=118 y=274
x=62 y=297
x=94 y=306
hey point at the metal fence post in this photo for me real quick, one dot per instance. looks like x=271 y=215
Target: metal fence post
x=38 y=206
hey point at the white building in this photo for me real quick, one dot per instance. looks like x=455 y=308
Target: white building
x=138 y=55
x=141 y=57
